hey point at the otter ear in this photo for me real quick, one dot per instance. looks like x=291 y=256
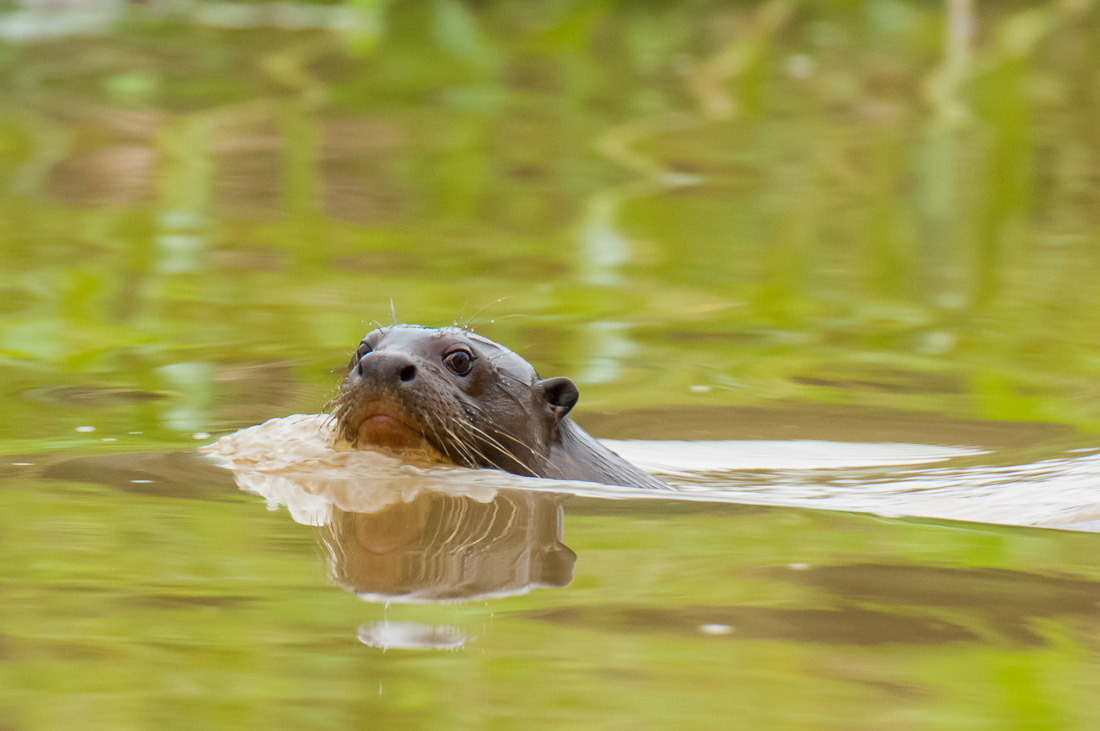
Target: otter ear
x=561 y=395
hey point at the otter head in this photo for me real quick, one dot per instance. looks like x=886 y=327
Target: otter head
x=472 y=401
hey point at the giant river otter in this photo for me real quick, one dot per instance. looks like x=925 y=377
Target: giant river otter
x=473 y=402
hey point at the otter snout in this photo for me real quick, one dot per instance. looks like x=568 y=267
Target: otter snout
x=378 y=403
x=385 y=370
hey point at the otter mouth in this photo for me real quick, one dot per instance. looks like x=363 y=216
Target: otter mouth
x=384 y=430
x=378 y=420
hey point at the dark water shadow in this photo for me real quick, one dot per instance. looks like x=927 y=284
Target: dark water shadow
x=158 y=474
x=1003 y=603
x=840 y=626
x=869 y=605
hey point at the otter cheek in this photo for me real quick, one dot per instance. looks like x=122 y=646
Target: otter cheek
x=386 y=431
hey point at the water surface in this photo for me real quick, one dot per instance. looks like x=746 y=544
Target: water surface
x=829 y=266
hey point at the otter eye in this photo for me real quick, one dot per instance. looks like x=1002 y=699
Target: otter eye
x=364 y=348
x=460 y=361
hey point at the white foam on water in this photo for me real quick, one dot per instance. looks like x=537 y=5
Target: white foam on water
x=291 y=461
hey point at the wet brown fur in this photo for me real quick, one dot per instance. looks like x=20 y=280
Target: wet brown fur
x=499 y=415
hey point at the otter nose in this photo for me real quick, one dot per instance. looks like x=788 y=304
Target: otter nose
x=386 y=369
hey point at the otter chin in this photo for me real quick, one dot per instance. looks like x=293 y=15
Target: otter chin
x=385 y=431
x=471 y=402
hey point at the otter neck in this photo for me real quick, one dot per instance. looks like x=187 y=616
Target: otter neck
x=577 y=456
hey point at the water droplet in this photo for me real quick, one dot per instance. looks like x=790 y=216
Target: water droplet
x=715 y=629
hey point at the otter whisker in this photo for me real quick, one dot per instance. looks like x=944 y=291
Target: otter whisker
x=435 y=433
x=460 y=430
x=505 y=432
x=467 y=451
x=472 y=446
x=454 y=444
x=461 y=313
x=451 y=445
x=503 y=450
x=471 y=429
x=466 y=325
x=328 y=422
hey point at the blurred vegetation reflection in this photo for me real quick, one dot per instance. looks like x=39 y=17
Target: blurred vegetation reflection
x=881 y=203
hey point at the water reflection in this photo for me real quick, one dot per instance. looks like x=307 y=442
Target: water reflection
x=39 y=20
x=1005 y=602
x=872 y=604
x=841 y=626
x=445 y=547
x=388 y=635
x=393 y=532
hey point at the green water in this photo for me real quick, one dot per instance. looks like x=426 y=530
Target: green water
x=782 y=220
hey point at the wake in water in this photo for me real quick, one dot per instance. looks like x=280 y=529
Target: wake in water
x=291 y=461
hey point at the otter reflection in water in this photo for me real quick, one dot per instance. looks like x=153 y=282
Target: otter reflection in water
x=440 y=547
x=394 y=532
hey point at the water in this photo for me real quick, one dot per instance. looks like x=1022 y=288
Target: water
x=829 y=268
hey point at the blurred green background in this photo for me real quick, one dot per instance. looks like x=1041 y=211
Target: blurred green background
x=878 y=203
